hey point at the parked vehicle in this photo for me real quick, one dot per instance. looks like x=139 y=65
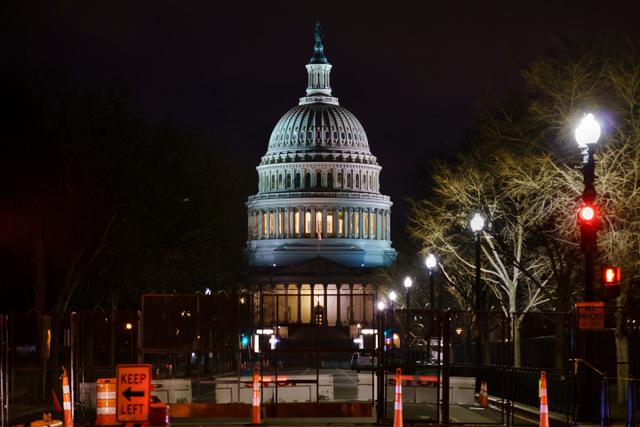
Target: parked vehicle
x=364 y=361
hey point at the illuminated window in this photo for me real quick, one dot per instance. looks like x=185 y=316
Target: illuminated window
x=280 y=221
x=329 y=223
x=307 y=223
x=318 y=222
x=356 y=223
x=264 y=224
x=374 y=220
x=341 y=223
x=366 y=224
x=271 y=218
x=296 y=221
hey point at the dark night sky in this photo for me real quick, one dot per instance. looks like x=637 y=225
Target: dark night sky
x=413 y=73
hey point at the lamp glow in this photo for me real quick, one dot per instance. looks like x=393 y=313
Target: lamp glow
x=408 y=282
x=588 y=131
x=477 y=223
x=430 y=261
x=382 y=306
x=393 y=296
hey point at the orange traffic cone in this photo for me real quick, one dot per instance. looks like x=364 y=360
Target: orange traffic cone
x=255 y=397
x=397 y=406
x=544 y=406
x=66 y=400
x=483 y=396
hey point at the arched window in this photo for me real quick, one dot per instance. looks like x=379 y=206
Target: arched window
x=357 y=181
x=364 y=181
x=280 y=182
x=330 y=180
x=307 y=180
x=297 y=180
x=339 y=179
x=273 y=182
x=288 y=182
x=319 y=179
x=349 y=180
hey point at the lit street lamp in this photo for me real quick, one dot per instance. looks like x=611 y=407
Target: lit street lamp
x=431 y=263
x=587 y=135
x=477 y=224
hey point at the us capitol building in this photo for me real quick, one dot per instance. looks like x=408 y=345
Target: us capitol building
x=318 y=228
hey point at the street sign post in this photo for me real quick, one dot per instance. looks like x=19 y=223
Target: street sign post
x=133 y=393
x=590 y=315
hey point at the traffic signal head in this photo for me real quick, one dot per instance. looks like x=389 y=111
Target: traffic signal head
x=587 y=214
x=244 y=341
x=611 y=276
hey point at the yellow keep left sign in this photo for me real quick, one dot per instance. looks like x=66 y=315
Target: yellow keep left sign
x=133 y=392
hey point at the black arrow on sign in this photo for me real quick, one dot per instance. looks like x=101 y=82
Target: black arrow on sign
x=129 y=394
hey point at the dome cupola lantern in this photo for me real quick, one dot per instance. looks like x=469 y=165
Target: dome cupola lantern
x=319 y=70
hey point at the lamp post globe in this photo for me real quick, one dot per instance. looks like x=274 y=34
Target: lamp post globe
x=408 y=282
x=477 y=223
x=382 y=306
x=430 y=261
x=393 y=296
x=588 y=131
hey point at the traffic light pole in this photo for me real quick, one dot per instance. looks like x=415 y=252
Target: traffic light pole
x=587 y=411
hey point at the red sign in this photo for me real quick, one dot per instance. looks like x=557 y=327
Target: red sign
x=133 y=392
x=590 y=315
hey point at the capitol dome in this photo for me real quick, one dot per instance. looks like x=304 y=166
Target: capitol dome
x=318 y=191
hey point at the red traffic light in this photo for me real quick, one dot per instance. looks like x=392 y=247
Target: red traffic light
x=611 y=276
x=587 y=214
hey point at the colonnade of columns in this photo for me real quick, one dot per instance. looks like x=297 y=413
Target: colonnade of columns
x=305 y=222
x=327 y=304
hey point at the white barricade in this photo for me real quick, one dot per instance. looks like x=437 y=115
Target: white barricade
x=173 y=390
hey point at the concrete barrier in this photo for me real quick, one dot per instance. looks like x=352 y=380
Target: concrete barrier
x=173 y=390
x=288 y=391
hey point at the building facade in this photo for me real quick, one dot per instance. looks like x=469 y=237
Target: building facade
x=318 y=227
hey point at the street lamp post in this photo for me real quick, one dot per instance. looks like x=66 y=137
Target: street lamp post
x=587 y=135
x=431 y=263
x=407 y=286
x=477 y=224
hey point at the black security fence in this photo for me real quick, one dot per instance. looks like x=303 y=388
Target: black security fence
x=485 y=368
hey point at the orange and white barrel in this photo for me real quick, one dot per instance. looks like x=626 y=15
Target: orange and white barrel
x=106 y=402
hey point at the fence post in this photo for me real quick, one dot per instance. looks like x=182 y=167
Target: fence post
x=445 y=367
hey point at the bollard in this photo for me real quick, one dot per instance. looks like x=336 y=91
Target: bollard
x=544 y=406
x=66 y=400
x=632 y=414
x=397 y=405
x=605 y=409
x=106 y=402
x=255 y=397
